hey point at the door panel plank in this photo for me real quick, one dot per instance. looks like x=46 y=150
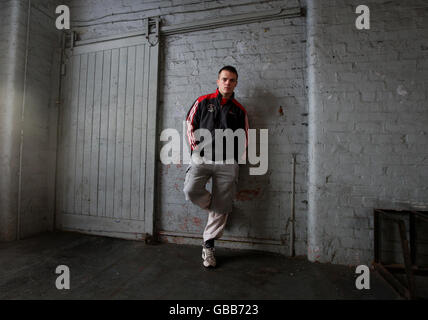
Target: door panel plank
x=80 y=135
x=120 y=127
x=128 y=128
x=104 y=114
x=137 y=160
x=111 y=142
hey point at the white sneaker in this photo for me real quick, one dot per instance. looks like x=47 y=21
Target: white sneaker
x=208 y=257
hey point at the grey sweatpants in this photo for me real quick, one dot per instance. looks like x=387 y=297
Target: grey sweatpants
x=219 y=202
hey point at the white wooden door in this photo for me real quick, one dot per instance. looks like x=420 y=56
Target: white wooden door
x=107 y=138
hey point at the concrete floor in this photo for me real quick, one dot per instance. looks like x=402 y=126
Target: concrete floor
x=107 y=268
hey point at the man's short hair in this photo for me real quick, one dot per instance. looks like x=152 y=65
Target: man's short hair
x=230 y=69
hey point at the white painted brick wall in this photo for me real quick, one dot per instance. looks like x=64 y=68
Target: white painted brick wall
x=34 y=203
x=261 y=89
x=36 y=212
x=11 y=80
x=368 y=120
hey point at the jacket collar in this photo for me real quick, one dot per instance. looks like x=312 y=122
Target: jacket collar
x=219 y=95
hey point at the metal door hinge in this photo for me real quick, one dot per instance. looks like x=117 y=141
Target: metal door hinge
x=70 y=39
x=152 y=30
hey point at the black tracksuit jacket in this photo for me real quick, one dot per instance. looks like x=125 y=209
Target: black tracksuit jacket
x=211 y=112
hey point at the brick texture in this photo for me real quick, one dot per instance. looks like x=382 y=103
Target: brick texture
x=367 y=129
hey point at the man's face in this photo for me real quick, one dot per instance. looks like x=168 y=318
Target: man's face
x=226 y=82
